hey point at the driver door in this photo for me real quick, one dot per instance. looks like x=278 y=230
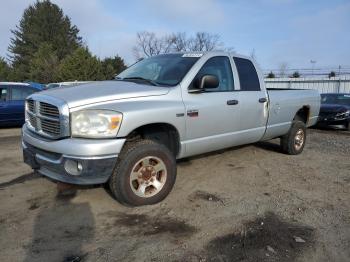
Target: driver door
x=212 y=115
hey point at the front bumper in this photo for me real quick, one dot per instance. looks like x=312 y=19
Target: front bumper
x=56 y=158
x=325 y=121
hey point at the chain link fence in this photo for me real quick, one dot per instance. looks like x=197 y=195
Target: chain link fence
x=339 y=84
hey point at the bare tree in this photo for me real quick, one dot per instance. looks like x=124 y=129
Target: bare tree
x=283 y=69
x=179 y=42
x=204 y=41
x=149 y=44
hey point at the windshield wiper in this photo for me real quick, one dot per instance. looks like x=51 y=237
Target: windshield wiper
x=141 y=78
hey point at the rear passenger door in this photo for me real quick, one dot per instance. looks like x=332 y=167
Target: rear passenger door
x=252 y=100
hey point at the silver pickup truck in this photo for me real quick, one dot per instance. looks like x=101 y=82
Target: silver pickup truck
x=129 y=132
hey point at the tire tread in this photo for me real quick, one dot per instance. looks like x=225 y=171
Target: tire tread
x=287 y=141
x=115 y=183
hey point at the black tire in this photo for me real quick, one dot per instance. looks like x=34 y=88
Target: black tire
x=119 y=183
x=348 y=126
x=289 y=141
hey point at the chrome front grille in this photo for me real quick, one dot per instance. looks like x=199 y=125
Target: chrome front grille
x=44 y=119
x=32 y=121
x=50 y=127
x=30 y=105
x=48 y=110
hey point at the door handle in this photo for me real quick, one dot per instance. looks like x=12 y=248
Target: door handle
x=232 y=102
x=262 y=100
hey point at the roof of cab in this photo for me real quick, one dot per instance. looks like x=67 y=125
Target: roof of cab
x=211 y=53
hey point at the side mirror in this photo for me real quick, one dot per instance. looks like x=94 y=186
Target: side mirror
x=205 y=82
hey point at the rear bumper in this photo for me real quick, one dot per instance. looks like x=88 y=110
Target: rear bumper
x=74 y=161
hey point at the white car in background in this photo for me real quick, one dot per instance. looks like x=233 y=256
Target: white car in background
x=62 y=84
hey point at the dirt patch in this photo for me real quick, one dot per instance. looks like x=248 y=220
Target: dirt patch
x=66 y=195
x=184 y=162
x=202 y=195
x=34 y=206
x=74 y=258
x=267 y=238
x=147 y=225
x=19 y=180
x=235 y=167
x=35 y=203
x=191 y=224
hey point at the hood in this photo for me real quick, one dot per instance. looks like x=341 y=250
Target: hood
x=102 y=91
x=333 y=108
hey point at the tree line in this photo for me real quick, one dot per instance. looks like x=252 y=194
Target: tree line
x=46 y=47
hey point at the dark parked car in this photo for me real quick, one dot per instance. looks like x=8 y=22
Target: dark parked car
x=12 y=96
x=335 y=110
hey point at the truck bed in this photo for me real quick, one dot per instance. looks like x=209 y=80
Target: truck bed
x=284 y=103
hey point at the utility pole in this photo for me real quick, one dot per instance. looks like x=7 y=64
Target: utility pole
x=313 y=62
x=339 y=83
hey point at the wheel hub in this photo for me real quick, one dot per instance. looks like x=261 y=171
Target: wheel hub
x=299 y=139
x=147 y=172
x=148 y=176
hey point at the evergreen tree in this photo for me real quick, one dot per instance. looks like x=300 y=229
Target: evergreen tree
x=42 y=22
x=271 y=75
x=295 y=74
x=331 y=74
x=81 y=66
x=112 y=66
x=4 y=70
x=44 y=65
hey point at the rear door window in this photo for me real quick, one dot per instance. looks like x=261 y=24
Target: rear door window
x=21 y=92
x=247 y=74
x=3 y=93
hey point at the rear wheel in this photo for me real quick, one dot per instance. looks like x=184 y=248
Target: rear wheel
x=294 y=141
x=144 y=174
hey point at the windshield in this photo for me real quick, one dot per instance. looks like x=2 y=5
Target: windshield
x=168 y=69
x=341 y=99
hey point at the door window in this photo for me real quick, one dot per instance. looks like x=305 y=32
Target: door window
x=248 y=76
x=220 y=67
x=21 y=92
x=3 y=93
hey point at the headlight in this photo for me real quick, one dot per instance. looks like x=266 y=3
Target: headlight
x=343 y=114
x=95 y=123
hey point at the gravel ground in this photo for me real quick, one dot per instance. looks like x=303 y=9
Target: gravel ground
x=250 y=203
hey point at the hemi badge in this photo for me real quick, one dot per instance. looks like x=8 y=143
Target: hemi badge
x=192 y=113
x=180 y=114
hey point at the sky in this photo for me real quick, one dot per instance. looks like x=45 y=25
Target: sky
x=279 y=31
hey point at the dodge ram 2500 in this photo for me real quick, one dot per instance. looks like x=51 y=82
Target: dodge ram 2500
x=129 y=132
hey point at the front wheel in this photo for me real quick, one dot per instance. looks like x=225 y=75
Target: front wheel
x=144 y=174
x=294 y=141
